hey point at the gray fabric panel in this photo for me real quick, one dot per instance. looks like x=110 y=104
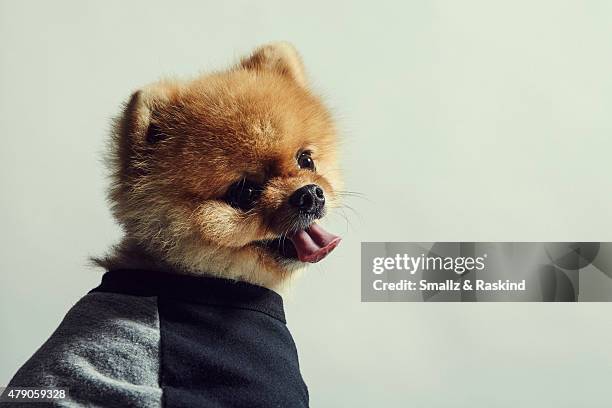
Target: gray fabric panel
x=105 y=352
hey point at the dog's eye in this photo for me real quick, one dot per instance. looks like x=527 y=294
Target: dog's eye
x=305 y=161
x=243 y=194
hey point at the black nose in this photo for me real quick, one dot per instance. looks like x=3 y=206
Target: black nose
x=308 y=199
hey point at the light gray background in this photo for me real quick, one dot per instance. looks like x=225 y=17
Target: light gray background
x=462 y=120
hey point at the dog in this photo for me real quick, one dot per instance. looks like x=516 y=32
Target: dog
x=219 y=183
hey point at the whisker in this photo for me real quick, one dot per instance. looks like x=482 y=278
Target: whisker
x=343 y=205
x=346 y=220
x=350 y=193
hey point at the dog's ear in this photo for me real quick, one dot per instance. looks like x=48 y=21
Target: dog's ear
x=136 y=132
x=139 y=116
x=280 y=57
x=138 y=124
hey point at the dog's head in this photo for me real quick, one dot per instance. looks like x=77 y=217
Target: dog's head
x=229 y=173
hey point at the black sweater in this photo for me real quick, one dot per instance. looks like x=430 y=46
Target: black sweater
x=145 y=338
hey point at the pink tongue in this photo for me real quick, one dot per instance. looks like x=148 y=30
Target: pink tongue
x=314 y=243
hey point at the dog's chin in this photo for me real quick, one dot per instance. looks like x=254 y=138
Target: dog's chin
x=281 y=250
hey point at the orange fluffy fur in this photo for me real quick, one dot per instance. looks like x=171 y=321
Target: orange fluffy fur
x=247 y=121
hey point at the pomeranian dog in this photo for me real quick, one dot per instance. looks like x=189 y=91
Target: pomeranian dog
x=226 y=174
x=218 y=183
